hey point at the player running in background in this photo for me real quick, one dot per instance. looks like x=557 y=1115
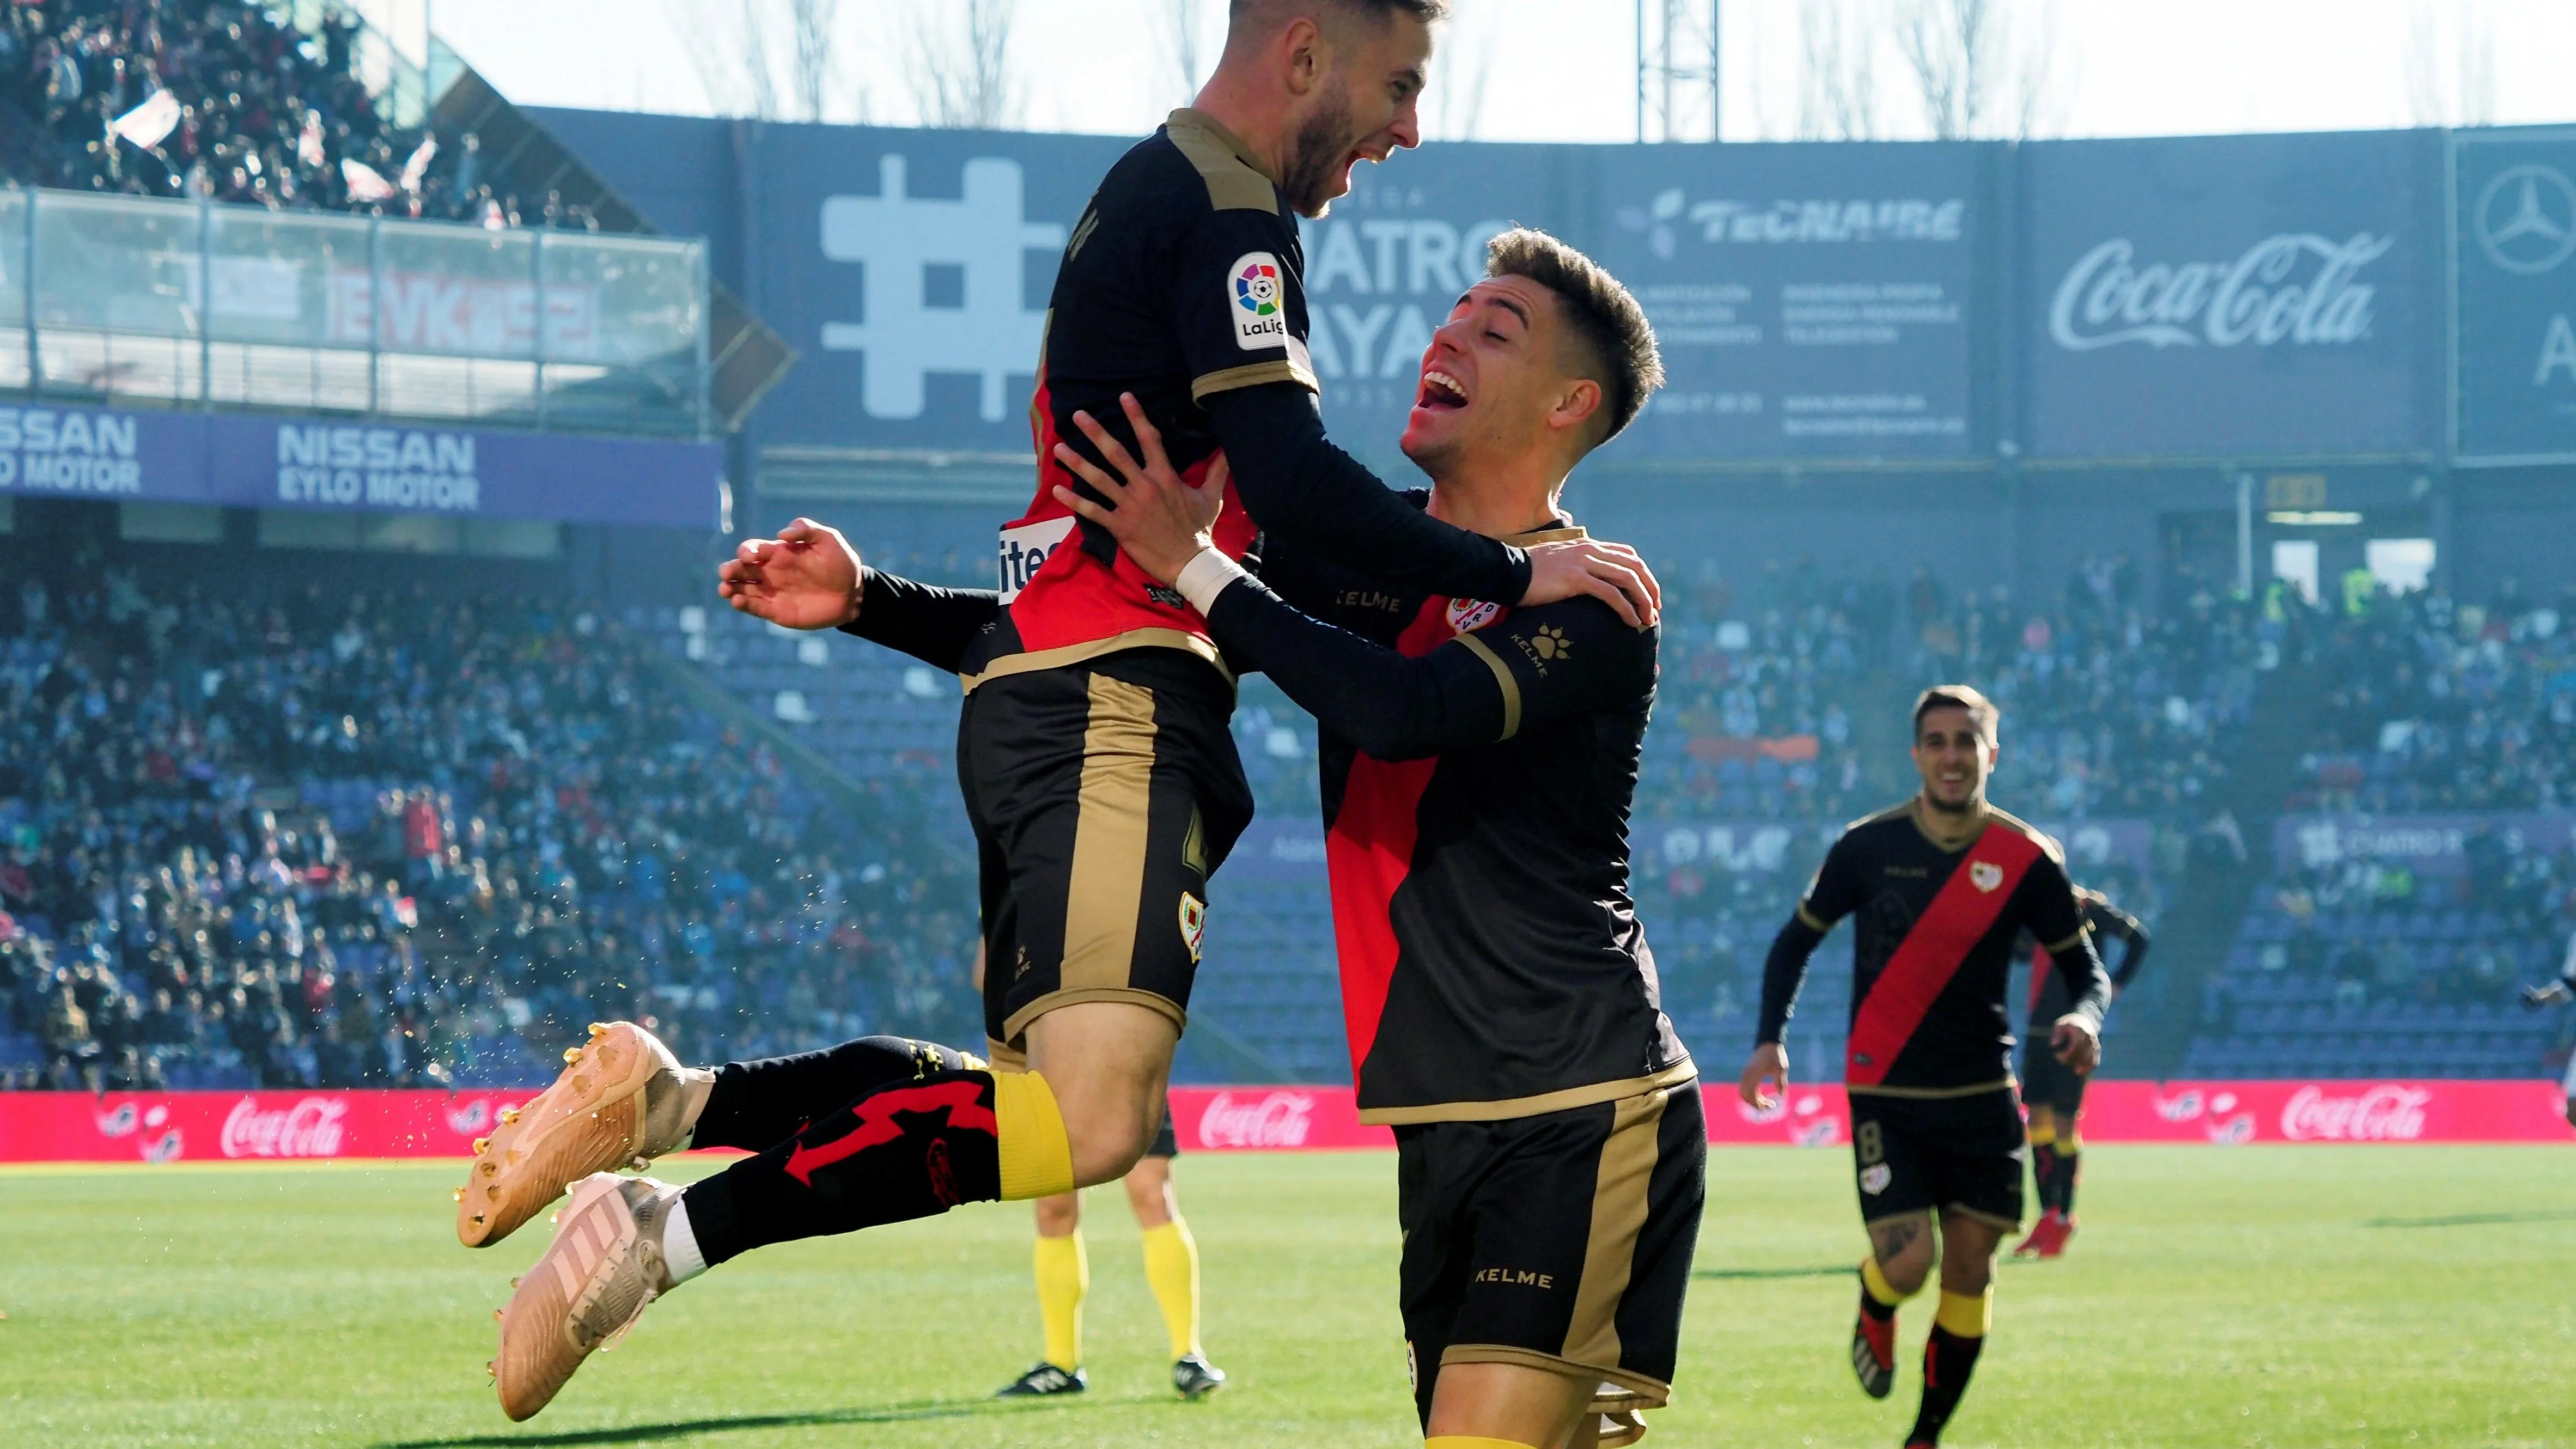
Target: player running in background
x=1099 y=774
x=1063 y=1269
x=1940 y=888
x=2562 y=989
x=1477 y=765
x=2054 y=1094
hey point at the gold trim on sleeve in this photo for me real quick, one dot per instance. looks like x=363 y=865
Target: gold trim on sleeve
x=1252 y=374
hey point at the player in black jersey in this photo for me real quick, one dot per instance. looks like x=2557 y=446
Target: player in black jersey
x=1477 y=766
x=1940 y=889
x=1095 y=761
x=2054 y=1094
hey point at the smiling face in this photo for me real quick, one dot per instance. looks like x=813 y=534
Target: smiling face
x=1363 y=105
x=1500 y=380
x=1954 y=757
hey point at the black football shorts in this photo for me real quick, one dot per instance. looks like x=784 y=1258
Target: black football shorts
x=2048 y=1082
x=1560 y=1242
x=1102 y=795
x=1927 y=1154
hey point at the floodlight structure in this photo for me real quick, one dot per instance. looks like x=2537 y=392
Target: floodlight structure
x=1678 y=50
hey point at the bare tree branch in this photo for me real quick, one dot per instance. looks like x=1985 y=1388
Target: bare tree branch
x=961 y=70
x=1838 y=99
x=2450 y=69
x=813 y=22
x=1969 y=71
x=1181 y=43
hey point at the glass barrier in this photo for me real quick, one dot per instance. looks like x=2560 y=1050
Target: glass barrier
x=15 y=360
x=173 y=301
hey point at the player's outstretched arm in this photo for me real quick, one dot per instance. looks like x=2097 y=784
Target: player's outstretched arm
x=809 y=577
x=1303 y=488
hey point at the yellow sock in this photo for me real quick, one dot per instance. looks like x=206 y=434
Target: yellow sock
x=1172 y=1270
x=1037 y=1158
x=1469 y=1441
x=2043 y=1130
x=1879 y=1288
x=2070 y=1144
x=1064 y=1276
x=1967 y=1315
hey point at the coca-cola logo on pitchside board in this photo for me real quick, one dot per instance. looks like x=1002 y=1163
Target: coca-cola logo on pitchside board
x=310 y=1128
x=1277 y=1119
x=2297 y=288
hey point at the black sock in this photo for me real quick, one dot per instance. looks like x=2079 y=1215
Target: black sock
x=910 y=1149
x=2043 y=1175
x=2066 y=1163
x=757 y=1105
x=1948 y=1360
x=1872 y=1309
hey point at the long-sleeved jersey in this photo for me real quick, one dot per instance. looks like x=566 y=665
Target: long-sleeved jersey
x=1477 y=766
x=1182 y=284
x=1932 y=959
x=2049 y=998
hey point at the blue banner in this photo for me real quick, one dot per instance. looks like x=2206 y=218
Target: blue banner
x=119 y=455
x=2516 y=288
x=2230 y=296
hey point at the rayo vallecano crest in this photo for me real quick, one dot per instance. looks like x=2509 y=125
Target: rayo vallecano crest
x=1466 y=616
x=1985 y=875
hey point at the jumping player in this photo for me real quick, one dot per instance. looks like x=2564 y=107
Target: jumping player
x=1477 y=765
x=2053 y=1094
x=1941 y=888
x=2562 y=989
x=1098 y=770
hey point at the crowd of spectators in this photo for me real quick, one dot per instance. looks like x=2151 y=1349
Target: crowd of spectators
x=2434 y=704
x=261 y=112
x=355 y=840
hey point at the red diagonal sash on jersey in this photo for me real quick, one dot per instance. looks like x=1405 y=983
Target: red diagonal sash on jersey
x=1369 y=852
x=1933 y=951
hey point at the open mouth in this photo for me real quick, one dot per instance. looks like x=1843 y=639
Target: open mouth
x=1441 y=393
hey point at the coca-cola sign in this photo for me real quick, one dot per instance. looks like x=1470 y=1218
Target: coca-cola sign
x=2376 y=1114
x=2295 y=288
x=2236 y=297
x=1275 y=1119
x=310 y=1128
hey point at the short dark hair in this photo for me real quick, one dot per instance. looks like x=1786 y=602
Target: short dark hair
x=1981 y=711
x=1429 y=12
x=1607 y=321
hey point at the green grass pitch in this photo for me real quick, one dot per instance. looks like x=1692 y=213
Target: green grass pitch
x=2261 y=1296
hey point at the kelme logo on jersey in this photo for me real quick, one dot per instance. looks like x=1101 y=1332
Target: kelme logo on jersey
x=1985 y=875
x=1193 y=922
x=1466 y=616
x=1260 y=302
x=1025 y=548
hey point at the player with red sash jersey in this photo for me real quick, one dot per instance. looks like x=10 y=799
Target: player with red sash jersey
x=1940 y=889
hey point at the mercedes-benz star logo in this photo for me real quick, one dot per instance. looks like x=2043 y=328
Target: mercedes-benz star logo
x=2527 y=219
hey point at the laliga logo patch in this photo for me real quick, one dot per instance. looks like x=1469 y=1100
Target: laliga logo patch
x=1468 y=615
x=1193 y=922
x=1874 y=1180
x=1985 y=875
x=1260 y=301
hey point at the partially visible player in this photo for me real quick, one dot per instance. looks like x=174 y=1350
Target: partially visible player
x=1171 y=1271
x=1940 y=888
x=2055 y=1095
x=1063 y=1269
x=2562 y=989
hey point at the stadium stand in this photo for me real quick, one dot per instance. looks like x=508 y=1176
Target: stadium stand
x=356 y=840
